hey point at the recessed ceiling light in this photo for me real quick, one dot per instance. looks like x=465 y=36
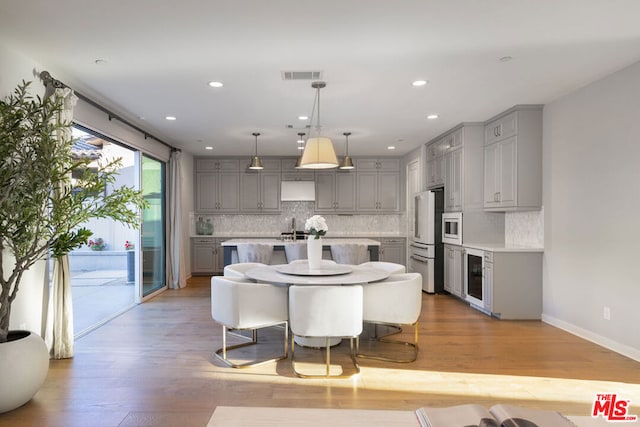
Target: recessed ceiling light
x=506 y=58
x=418 y=83
x=216 y=84
x=432 y=116
x=208 y=148
x=303 y=117
x=391 y=147
x=171 y=118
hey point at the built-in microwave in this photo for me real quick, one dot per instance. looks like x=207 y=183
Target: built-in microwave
x=452 y=228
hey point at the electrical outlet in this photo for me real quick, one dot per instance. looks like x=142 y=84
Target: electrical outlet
x=606 y=313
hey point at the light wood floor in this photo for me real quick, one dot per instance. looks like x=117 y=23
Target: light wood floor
x=154 y=366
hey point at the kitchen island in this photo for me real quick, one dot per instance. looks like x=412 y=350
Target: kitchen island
x=230 y=248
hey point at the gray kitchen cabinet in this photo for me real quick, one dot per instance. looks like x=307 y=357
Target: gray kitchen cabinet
x=290 y=173
x=335 y=191
x=378 y=192
x=436 y=163
x=453 y=270
x=512 y=284
x=206 y=256
x=378 y=164
x=393 y=249
x=260 y=192
x=457 y=164
x=513 y=160
x=217 y=185
x=217 y=192
x=453 y=190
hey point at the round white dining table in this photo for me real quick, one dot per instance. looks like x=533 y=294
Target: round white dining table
x=300 y=274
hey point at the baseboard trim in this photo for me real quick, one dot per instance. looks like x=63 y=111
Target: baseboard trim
x=607 y=343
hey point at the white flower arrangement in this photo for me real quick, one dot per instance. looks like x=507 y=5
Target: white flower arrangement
x=316 y=225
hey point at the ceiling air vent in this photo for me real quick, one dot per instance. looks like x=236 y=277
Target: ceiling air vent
x=301 y=75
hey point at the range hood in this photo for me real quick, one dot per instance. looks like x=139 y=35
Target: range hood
x=298 y=191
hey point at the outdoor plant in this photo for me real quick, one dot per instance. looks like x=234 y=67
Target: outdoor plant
x=97 y=244
x=40 y=214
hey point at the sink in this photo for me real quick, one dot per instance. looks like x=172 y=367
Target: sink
x=300 y=235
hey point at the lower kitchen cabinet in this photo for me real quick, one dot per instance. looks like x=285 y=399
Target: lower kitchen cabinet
x=393 y=249
x=454 y=270
x=206 y=256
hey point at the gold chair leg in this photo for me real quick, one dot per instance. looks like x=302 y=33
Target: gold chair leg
x=221 y=353
x=328 y=361
x=413 y=346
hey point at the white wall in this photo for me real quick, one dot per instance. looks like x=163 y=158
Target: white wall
x=592 y=203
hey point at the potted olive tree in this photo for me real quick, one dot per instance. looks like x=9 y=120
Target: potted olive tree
x=41 y=210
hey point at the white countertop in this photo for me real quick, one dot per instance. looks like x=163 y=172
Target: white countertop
x=278 y=242
x=501 y=247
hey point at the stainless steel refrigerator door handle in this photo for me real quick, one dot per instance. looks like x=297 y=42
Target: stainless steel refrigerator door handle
x=425 y=261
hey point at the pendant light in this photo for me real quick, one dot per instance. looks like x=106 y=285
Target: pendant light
x=256 y=163
x=319 y=152
x=346 y=162
x=299 y=141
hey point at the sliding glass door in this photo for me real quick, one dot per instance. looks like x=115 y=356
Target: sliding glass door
x=153 y=236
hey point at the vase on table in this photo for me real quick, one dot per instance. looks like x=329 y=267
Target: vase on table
x=314 y=252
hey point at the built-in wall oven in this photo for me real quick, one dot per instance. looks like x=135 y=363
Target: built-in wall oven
x=477 y=280
x=452 y=228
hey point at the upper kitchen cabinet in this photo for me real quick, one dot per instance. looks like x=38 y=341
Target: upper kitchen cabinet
x=375 y=165
x=513 y=160
x=378 y=185
x=335 y=191
x=217 y=185
x=455 y=160
x=290 y=173
x=260 y=192
x=435 y=164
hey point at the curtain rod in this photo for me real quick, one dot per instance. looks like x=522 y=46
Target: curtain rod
x=48 y=80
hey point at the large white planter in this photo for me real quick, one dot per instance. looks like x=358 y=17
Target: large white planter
x=314 y=252
x=24 y=363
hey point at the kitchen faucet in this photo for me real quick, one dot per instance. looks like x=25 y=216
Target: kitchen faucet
x=293 y=227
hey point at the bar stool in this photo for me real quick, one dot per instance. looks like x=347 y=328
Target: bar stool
x=255 y=252
x=295 y=251
x=349 y=253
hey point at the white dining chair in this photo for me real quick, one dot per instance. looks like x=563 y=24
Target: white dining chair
x=350 y=253
x=391 y=267
x=248 y=306
x=255 y=252
x=237 y=270
x=325 y=312
x=393 y=302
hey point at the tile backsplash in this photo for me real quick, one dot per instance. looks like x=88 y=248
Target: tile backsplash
x=524 y=228
x=342 y=225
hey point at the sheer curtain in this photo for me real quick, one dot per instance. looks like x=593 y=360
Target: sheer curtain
x=59 y=323
x=176 y=266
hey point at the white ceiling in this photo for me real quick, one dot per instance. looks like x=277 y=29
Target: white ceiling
x=160 y=55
